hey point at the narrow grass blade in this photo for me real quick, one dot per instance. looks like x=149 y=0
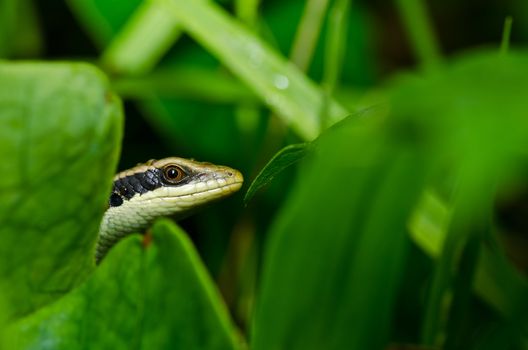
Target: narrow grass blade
x=420 y=32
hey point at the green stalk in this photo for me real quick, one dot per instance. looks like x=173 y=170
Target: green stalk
x=335 y=51
x=420 y=32
x=506 y=34
x=247 y=11
x=308 y=33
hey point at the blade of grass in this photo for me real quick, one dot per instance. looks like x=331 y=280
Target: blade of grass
x=335 y=44
x=506 y=33
x=457 y=324
x=19 y=29
x=288 y=92
x=147 y=35
x=308 y=32
x=247 y=11
x=335 y=50
x=420 y=32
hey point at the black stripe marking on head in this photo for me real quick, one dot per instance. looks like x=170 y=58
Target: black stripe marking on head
x=139 y=183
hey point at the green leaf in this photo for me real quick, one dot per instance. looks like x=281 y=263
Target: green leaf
x=282 y=86
x=154 y=295
x=147 y=36
x=18 y=19
x=291 y=154
x=332 y=266
x=461 y=108
x=496 y=280
x=420 y=32
x=60 y=129
x=185 y=81
x=284 y=158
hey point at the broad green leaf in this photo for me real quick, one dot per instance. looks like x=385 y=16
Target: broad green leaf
x=286 y=157
x=284 y=88
x=60 y=130
x=145 y=295
x=332 y=266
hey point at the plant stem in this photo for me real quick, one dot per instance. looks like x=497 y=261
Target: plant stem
x=420 y=32
x=506 y=34
x=308 y=33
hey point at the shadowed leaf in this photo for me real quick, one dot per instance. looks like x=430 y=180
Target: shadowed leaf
x=60 y=129
x=153 y=297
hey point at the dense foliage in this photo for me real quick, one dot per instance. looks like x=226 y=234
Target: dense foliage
x=380 y=210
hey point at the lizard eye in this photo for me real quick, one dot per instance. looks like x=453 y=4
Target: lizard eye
x=173 y=173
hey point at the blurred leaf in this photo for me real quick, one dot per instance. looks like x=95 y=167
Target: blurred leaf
x=280 y=85
x=506 y=35
x=332 y=266
x=335 y=44
x=145 y=38
x=247 y=11
x=60 y=129
x=358 y=70
x=192 y=82
x=184 y=73
x=158 y=297
x=496 y=280
x=429 y=223
x=420 y=32
x=287 y=156
x=103 y=18
x=308 y=32
x=291 y=154
x=461 y=109
x=18 y=19
x=501 y=285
